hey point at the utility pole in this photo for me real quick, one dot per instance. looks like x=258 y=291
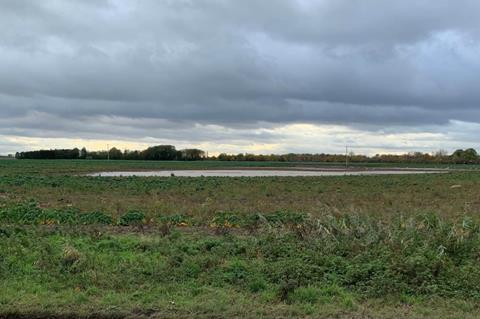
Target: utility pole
x=108 y=152
x=346 y=158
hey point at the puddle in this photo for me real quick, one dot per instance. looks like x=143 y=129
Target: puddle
x=263 y=173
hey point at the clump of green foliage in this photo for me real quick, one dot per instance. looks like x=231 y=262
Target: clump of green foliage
x=95 y=218
x=226 y=219
x=177 y=220
x=26 y=213
x=132 y=218
x=30 y=213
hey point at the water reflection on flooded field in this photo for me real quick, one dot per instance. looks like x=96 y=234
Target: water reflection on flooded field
x=263 y=173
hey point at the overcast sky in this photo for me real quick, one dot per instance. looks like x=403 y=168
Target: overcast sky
x=240 y=76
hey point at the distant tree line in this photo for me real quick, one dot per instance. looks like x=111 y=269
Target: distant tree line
x=155 y=153
x=170 y=153
x=50 y=154
x=468 y=156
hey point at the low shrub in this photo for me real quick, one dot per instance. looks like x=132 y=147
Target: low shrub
x=176 y=220
x=132 y=218
x=95 y=218
x=55 y=216
x=226 y=220
x=24 y=213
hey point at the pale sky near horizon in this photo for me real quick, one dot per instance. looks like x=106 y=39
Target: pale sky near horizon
x=240 y=76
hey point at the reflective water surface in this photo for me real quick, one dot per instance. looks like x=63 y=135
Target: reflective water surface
x=263 y=173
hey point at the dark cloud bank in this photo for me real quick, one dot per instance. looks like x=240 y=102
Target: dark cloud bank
x=68 y=66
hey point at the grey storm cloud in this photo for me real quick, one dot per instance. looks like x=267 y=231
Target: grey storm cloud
x=368 y=63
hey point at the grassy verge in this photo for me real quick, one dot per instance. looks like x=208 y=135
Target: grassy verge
x=273 y=267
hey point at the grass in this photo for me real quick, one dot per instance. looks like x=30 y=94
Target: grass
x=316 y=247
x=291 y=267
x=202 y=197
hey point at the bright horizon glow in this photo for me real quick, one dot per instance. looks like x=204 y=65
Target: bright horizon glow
x=294 y=138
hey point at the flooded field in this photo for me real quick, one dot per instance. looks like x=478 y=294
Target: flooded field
x=119 y=241
x=263 y=173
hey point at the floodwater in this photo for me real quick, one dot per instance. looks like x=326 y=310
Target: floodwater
x=264 y=173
